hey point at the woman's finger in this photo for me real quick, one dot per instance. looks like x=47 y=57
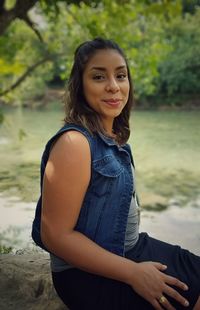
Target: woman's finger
x=159 y=266
x=163 y=301
x=156 y=305
x=174 y=281
x=175 y=295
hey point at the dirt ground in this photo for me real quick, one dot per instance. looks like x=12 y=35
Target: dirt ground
x=25 y=283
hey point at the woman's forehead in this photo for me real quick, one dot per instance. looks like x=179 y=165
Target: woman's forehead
x=106 y=58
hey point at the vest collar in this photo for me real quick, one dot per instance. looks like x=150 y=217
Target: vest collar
x=109 y=141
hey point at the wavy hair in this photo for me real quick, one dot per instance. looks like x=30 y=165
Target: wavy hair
x=77 y=109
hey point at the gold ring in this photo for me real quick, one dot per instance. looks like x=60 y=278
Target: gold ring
x=162 y=300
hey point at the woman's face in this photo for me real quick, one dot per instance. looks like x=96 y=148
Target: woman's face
x=106 y=85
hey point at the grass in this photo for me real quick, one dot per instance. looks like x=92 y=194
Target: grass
x=5 y=249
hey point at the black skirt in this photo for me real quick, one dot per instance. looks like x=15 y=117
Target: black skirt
x=80 y=290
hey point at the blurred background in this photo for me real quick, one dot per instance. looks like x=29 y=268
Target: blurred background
x=162 y=42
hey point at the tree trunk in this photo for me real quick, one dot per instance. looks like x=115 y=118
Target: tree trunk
x=20 y=10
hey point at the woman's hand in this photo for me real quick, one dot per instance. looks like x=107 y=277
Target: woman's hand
x=152 y=284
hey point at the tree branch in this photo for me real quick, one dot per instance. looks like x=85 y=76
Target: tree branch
x=26 y=73
x=32 y=25
x=19 y=11
x=22 y=7
x=2 y=4
x=29 y=70
x=6 y=17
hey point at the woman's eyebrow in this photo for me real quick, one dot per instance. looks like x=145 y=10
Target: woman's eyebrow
x=104 y=69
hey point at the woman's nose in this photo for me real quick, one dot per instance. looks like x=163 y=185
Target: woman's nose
x=112 y=85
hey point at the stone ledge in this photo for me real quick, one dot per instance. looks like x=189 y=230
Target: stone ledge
x=25 y=283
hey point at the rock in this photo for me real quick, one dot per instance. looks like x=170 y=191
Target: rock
x=152 y=201
x=25 y=283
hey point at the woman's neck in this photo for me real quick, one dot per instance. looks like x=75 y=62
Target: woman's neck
x=108 y=127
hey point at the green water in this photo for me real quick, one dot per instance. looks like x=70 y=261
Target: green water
x=166 y=149
x=165 y=145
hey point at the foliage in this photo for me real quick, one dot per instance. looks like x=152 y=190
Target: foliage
x=160 y=38
x=5 y=250
x=179 y=73
x=16 y=54
x=1 y=117
x=189 y=6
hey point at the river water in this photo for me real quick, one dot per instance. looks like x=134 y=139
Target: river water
x=166 y=150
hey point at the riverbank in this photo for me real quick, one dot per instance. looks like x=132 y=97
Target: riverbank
x=25 y=280
x=55 y=95
x=25 y=283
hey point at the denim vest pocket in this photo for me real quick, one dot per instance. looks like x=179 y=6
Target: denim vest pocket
x=106 y=170
x=108 y=166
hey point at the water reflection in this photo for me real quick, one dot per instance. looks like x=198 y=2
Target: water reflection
x=15 y=223
x=21 y=179
x=175 y=224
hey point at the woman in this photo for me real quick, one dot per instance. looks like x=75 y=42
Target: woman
x=87 y=214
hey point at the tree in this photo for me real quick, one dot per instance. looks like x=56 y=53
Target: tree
x=141 y=28
x=21 y=8
x=179 y=73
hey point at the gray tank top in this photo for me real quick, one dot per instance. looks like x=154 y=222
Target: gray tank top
x=132 y=228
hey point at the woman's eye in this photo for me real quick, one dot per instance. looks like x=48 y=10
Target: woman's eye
x=98 y=77
x=122 y=76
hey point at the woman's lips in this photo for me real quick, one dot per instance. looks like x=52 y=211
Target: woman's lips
x=112 y=102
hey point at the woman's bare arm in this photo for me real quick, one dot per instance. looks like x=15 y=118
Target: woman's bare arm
x=67 y=176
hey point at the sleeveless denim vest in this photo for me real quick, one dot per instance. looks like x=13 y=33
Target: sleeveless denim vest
x=104 y=212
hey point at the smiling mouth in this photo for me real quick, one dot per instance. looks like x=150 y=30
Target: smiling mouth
x=112 y=102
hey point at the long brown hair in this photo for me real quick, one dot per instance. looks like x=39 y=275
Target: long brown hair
x=77 y=109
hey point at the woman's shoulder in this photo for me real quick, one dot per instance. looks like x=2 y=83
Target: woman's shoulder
x=75 y=127
x=73 y=139
x=70 y=149
x=68 y=132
